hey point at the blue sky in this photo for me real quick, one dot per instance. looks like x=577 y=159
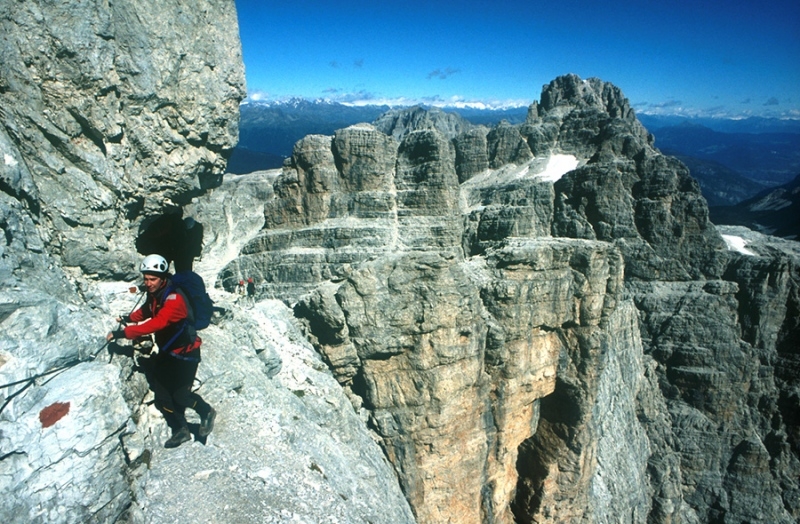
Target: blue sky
x=708 y=58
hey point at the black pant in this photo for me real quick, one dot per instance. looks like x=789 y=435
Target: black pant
x=171 y=380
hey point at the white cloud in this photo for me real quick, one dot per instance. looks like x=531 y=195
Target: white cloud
x=257 y=96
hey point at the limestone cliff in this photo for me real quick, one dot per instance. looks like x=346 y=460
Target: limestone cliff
x=112 y=113
x=532 y=323
x=540 y=320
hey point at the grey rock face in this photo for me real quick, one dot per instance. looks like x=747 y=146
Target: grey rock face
x=366 y=195
x=704 y=369
x=398 y=123
x=628 y=192
x=442 y=351
x=551 y=301
x=768 y=304
x=507 y=146
x=87 y=445
x=524 y=208
x=95 y=128
x=114 y=112
x=471 y=153
x=287 y=444
x=111 y=113
x=232 y=215
x=62 y=461
x=107 y=114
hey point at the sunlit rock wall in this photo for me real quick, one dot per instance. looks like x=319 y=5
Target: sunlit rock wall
x=109 y=112
x=539 y=320
x=112 y=111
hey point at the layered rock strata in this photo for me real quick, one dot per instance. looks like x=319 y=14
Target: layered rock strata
x=450 y=364
x=510 y=307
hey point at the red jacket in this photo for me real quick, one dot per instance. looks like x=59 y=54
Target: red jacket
x=165 y=320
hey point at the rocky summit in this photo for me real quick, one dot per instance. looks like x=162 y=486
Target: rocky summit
x=452 y=323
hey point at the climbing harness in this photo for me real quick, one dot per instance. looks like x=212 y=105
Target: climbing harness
x=74 y=362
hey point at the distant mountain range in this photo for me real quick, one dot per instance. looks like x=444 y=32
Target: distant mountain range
x=774 y=212
x=770 y=158
x=721 y=185
x=753 y=125
x=733 y=160
x=269 y=130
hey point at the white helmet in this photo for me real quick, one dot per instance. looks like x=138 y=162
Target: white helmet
x=154 y=264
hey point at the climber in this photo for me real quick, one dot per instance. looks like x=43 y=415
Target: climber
x=251 y=290
x=168 y=314
x=240 y=290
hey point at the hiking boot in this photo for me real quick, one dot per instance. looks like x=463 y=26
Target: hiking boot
x=207 y=422
x=178 y=438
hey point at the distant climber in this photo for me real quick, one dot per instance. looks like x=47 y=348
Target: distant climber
x=241 y=291
x=168 y=314
x=251 y=290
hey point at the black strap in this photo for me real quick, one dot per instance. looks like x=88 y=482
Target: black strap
x=174 y=337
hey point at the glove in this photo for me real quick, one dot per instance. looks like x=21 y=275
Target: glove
x=124 y=319
x=117 y=333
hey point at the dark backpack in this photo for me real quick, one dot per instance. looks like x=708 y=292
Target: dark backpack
x=194 y=290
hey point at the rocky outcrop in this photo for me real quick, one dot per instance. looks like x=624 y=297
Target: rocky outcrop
x=95 y=130
x=111 y=113
x=472 y=155
x=524 y=313
x=507 y=146
x=768 y=301
x=345 y=199
x=720 y=361
x=450 y=365
x=103 y=121
x=287 y=443
x=397 y=123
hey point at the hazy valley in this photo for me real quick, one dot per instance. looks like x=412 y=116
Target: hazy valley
x=734 y=160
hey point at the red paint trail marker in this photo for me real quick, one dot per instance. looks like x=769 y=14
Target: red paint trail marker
x=53 y=413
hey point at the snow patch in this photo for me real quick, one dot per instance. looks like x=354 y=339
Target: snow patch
x=10 y=160
x=737 y=244
x=558 y=166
